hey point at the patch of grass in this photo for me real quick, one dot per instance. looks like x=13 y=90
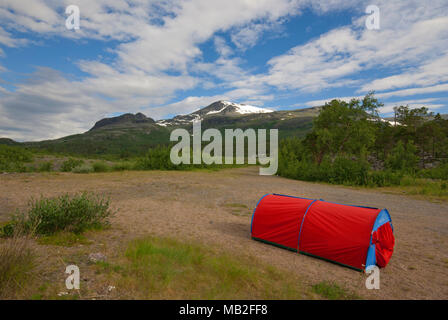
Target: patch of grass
x=71 y=213
x=236 y=205
x=162 y=268
x=84 y=168
x=426 y=188
x=69 y=164
x=45 y=167
x=16 y=266
x=100 y=167
x=122 y=166
x=332 y=291
x=66 y=239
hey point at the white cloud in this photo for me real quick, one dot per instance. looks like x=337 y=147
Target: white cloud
x=159 y=54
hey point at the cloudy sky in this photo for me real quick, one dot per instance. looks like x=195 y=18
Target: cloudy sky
x=172 y=57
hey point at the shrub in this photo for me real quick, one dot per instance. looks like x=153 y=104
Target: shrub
x=122 y=166
x=64 y=213
x=158 y=159
x=45 y=167
x=403 y=157
x=100 y=167
x=440 y=172
x=12 y=159
x=84 y=168
x=69 y=164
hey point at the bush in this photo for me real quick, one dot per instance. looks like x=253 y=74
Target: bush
x=158 y=159
x=122 y=166
x=440 y=172
x=64 y=213
x=403 y=158
x=12 y=159
x=84 y=168
x=69 y=164
x=45 y=167
x=100 y=167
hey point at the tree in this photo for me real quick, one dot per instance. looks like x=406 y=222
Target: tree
x=344 y=128
x=403 y=157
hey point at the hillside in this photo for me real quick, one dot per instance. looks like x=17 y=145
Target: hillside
x=130 y=135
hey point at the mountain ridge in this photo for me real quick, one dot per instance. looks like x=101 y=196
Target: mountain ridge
x=133 y=134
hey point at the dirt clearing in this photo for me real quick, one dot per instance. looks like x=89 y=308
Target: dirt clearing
x=215 y=208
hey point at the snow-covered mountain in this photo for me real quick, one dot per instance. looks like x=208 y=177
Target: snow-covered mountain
x=218 y=108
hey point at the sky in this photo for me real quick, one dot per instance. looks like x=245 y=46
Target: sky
x=169 y=57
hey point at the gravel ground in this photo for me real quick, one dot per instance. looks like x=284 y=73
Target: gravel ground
x=215 y=208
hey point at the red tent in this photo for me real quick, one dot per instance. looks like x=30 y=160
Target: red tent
x=353 y=236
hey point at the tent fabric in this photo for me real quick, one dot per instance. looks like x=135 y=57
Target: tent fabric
x=354 y=236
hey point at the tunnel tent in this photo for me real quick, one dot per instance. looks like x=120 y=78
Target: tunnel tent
x=358 y=237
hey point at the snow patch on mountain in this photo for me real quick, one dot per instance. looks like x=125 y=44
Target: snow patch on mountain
x=245 y=109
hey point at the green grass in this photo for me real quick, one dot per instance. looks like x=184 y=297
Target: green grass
x=100 y=166
x=236 y=205
x=69 y=164
x=332 y=291
x=66 y=239
x=162 y=268
x=45 y=167
x=13 y=159
x=17 y=261
x=83 y=168
x=72 y=213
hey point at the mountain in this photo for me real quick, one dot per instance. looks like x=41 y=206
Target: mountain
x=124 y=121
x=219 y=108
x=8 y=142
x=133 y=134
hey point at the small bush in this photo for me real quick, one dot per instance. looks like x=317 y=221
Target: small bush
x=75 y=213
x=12 y=159
x=440 y=172
x=122 y=166
x=84 y=168
x=69 y=164
x=403 y=157
x=157 y=159
x=100 y=167
x=45 y=167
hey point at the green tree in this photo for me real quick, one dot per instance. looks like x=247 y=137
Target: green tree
x=344 y=128
x=403 y=157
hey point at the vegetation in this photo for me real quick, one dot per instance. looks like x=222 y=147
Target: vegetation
x=162 y=268
x=13 y=159
x=84 y=168
x=70 y=213
x=16 y=265
x=69 y=164
x=347 y=143
x=348 y=139
x=63 y=238
x=332 y=291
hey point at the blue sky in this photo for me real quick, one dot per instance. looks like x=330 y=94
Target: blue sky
x=170 y=57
